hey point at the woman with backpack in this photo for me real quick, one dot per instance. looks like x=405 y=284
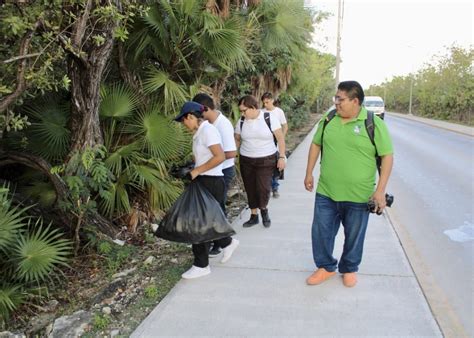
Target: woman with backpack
x=255 y=135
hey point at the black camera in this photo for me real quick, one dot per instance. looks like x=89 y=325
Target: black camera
x=372 y=207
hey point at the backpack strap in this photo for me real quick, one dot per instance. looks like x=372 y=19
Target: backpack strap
x=328 y=119
x=370 y=127
x=266 y=116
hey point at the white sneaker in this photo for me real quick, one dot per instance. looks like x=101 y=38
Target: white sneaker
x=196 y=272
x=229 y=250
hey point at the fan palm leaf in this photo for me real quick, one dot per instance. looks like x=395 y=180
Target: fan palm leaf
x=118 y=101
x=12 y=219
x=158 y=136
x=11 y=296
x=48 y=134
x=36 y=253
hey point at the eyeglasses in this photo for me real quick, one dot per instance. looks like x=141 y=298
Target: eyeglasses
x=338 y=99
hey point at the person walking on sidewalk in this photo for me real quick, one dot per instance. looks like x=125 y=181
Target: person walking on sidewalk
x=208 y=157
x=346 y=182
x=258 y=156
x=226 y=130
x=268 y=106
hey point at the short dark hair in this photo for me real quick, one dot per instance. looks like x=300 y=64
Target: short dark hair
x=249 y=101
x=205 y=100
x=267 y=95
x=353 y=90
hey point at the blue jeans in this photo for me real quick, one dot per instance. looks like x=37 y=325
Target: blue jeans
x=275 y=183
x=229 y=174
x=328 y=215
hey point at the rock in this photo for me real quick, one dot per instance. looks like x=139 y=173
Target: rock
x=38 y=323
x=114 y=333
x=154 y=227
x=8 y=334
x=149 y=260
x=123 y=273
x=52 y=305
x=71 y=326
x=106 y=310
x=109 y=291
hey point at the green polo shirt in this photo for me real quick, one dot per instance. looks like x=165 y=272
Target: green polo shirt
x=348 y=168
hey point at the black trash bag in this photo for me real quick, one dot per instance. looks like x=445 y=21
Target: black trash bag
x=196 y=217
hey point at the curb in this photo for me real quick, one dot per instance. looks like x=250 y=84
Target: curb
x=456 y=128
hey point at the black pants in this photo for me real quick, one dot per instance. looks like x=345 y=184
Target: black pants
x=257 y=176
x=215 y=185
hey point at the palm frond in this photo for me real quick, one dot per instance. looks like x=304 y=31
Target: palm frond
x=48 y=134
x=116 y=199
x=38 y=252
x=11 y=296
x=12 y=219
x=172 y=93
x=118 y=101
x=158 y=136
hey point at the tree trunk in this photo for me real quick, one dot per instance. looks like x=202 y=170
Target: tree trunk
x=85 y=72
x=92 y=219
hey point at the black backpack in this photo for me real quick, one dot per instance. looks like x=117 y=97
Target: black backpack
x=369 y=126
x=266 y=116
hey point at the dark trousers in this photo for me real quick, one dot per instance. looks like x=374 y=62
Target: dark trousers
x=229 y=174
x=257 y=176
x=215 y=185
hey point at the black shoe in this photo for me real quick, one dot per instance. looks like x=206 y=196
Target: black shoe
x=215 y=250
x=251 y=222
x=265 y=218
x=276 y=194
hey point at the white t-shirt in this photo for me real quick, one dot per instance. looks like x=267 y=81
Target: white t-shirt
x=226 y=130
x=256 y=139
x=206 y=136
x=278 y=112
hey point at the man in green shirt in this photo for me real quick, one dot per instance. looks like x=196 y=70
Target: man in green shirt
x=346 y=183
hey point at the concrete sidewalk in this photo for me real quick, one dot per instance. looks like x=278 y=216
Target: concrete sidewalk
x=261 y=291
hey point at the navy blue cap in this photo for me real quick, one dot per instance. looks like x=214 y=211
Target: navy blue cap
x=189 y=107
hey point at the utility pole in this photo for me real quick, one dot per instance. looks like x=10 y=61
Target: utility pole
x=338 y=48
x=411 y=94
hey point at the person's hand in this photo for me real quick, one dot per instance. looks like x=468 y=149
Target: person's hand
x=193 y=173
x=309 y=182
x=379 y=199
x=281 y=164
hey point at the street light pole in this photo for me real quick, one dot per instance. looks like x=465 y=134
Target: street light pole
x=411 y=95
x=338 y=48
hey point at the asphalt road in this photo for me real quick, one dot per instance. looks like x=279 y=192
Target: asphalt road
x=433 y=184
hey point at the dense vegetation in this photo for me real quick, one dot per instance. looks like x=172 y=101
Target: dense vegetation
x=442 y=90
x=88 y=90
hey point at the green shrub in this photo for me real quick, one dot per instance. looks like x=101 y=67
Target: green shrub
x=29 y=254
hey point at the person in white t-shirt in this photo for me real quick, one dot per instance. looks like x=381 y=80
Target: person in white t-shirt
x=258 y=156
x=208 y=158
x=268 y=106
x=226 y=130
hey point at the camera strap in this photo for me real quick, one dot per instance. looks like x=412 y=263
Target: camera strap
x=369 y=127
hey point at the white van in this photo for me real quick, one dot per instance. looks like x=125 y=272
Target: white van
x=375 y=104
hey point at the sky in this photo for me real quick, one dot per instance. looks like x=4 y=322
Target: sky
x=385 y=38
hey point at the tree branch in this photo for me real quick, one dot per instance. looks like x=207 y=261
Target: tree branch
x=21 y=57
x=20 y=75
